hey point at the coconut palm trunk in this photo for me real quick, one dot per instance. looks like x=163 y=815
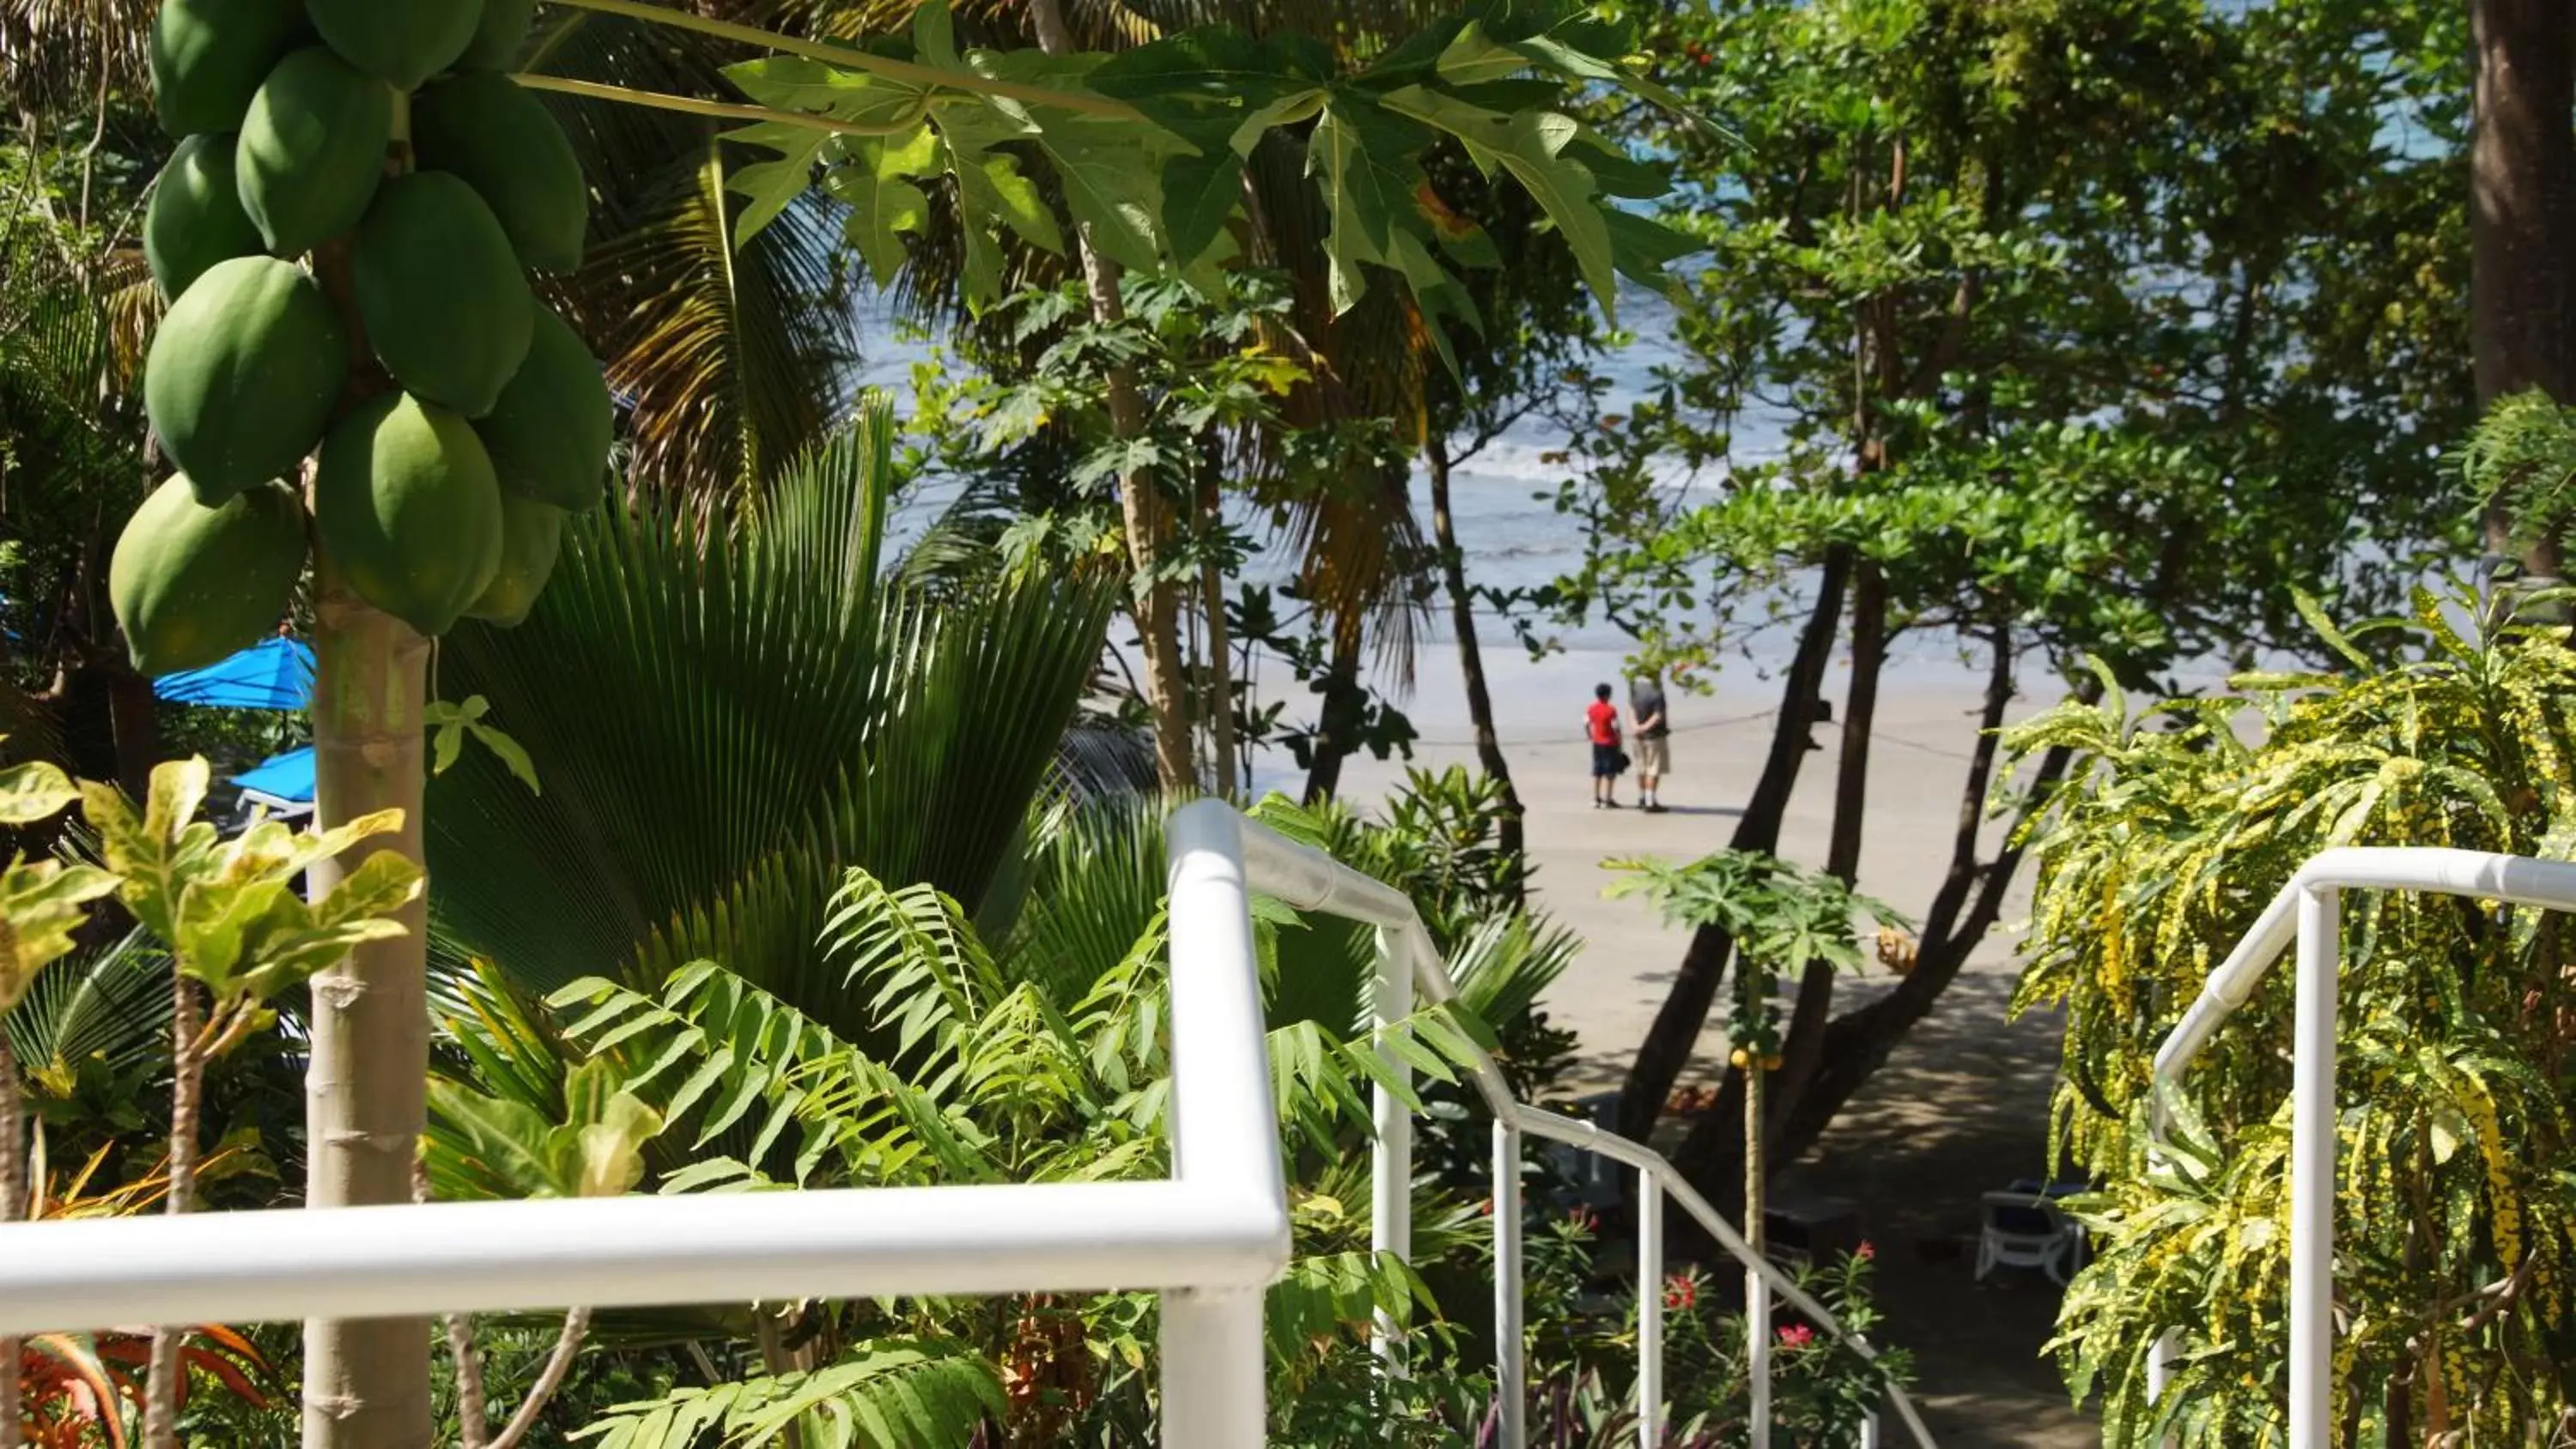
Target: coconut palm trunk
x=1158 y=604
x=366 y=1383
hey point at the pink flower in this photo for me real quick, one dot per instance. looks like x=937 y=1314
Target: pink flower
x=1583 y=1219
x=1797 y=1335
x=1681 y=1291
x=1865 y=1252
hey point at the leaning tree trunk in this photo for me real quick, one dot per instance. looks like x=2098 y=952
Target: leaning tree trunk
x=1804 y=1046
x=1337 y=720
x=13 y=1194
x=1471 y=653
x=366 y=1382
x=1158 y=605
x=2522 y=213
x=1678 y=1022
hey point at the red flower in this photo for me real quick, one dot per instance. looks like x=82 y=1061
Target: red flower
x=1797 y=1335
x=1681 y=1291
x=1584 y=1219
x=1865 y=1252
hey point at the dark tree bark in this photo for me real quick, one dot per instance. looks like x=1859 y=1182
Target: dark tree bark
x=2522 y=212
x=1471 y=654
x=1337 y=720
x=1803 y=1048
x=1679 y=1020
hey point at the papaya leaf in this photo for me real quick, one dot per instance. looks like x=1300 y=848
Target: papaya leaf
x=884 y=203
x=1531 y=146
x=1364 y=159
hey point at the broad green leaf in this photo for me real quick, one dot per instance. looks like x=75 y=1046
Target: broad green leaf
x=768 y=188
x=1364 y=160
x=41 y=904
x=1530 y=145
x=34 y=791
x=884 y=203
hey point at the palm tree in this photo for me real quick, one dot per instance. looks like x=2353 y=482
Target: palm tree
x=725 y=720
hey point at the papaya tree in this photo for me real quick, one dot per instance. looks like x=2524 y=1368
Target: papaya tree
x=355 y=380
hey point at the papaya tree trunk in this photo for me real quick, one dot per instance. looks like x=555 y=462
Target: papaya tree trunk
x=13 y=1196
x=1471 y=653
x=167 y=1375
x=1158 y=602
x=366 y=1383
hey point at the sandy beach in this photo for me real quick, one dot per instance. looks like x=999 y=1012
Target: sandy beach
x=1963 y=1105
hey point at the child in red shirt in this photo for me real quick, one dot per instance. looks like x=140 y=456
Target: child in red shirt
x=1609 y=762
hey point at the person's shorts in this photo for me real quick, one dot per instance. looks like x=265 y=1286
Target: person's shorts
x=1655 y=756
x=1606 y=762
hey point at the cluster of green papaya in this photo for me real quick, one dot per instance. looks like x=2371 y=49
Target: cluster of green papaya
x=376 y=143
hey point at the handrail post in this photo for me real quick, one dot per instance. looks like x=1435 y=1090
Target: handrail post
x=2312 y=1166
x=1511 y=1347
x=1213 y=1366
x=1650 y=1310
x=1391 y=1159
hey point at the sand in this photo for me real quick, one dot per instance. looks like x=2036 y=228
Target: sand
x=1961 y=1107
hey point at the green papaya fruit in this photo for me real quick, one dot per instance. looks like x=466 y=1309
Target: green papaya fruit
x=196 y=218
x=549 y=433
x=399 y=42
x=487 y=130
x=312 y=150
x=499 y=35
x=441 y=292
x=405 y=503
x=531 y=537
x=209 y=56
x=244 y=373
x=191 y=584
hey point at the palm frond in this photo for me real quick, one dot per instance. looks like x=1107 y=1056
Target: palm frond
x=113 y=1007
x=892 y=1394
x=724 y=724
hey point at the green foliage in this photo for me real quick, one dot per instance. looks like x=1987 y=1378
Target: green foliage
x=228 y=909
x=893 y=1396
x=1781 y=916
x=2453 y=1211
x=1147 y=147
x=2522 y=458
x=724 y=721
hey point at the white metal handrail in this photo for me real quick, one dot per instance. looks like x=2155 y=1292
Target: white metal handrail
x=1409 y=964
x=2309 y=911
x=1210 y=1238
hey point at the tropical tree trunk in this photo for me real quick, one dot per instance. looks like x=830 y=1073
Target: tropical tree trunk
x=167 y=1376
x=1678 y=1022
x=366 y=1383
x=13 y=1196
x=1471 y=653
x=1337 y=722
x=1803 y=1047
x=1224 y=749
x=2522 y=213
x=1158 y=605
x=1963 y=912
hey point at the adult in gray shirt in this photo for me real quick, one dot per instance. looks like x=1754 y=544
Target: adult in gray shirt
x=1654 y=735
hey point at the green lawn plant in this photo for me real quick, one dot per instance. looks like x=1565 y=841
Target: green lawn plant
x=2457 y=1184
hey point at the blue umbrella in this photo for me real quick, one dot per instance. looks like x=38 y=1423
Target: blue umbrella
x=286 y=779
x=273 y=674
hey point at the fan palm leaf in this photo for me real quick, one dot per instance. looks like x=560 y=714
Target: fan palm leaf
x=725 y=722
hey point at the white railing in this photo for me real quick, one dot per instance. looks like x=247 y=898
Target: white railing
x=1217 y=856
x=1210 y=1238
x=2309 y=912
